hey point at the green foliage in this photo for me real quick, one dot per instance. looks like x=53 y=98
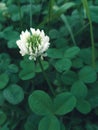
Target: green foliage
x=29 y=125
x=13 y=94
x=83 y=106
x=28 y=70
x=71 y=52
x=2 y=117
x=11 y=36
x=63 y=8
x=63 y=65
x=55 y=53
x=69 y=77
x=79 y=89
x=64 y=95
x=64 y=103
x=49 y=123
x=3 y=80
x=40 y=102
x=94 y=16
x=91 y=126
x=87 y=74
x=44 y=64
x=93 y=95
x=1 y=99
x=5 y=127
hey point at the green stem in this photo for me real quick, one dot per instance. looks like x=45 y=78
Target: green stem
x=20 y=15
x=86 y=7
x=50 y=9
x=93 y=45
x=64 y=18
x=46 y=78
x=30 y=13
x=79 y=32
x=81 y=29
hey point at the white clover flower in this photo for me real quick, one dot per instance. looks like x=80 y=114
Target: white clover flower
x=34 y=43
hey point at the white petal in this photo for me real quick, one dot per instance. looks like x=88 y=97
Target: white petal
x=38 y=50
x=42 y=34
x=32 y=30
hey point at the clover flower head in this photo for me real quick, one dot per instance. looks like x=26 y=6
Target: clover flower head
x=33 y=43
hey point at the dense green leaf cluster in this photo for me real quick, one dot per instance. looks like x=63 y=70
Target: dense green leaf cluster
x=71 y=66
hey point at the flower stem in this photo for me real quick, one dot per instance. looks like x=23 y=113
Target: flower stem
x=46 y=78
